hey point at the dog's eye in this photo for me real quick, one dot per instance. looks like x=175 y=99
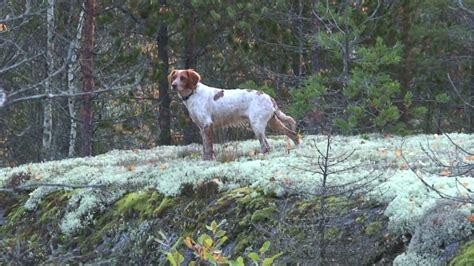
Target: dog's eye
x=182 y=78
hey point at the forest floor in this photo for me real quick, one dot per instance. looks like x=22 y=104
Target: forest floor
x=376 y=200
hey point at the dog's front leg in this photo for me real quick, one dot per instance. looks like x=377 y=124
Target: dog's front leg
x=207 y=142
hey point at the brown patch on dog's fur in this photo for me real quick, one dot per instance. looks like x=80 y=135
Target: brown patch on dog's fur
x=193 y=78
x=171 y=76
x=219 y=95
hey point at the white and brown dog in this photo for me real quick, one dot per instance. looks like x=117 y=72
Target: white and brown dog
x=213 y=108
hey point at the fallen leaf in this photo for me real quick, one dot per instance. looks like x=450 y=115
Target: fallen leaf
x=131 y=167
x=188 y=242
x=469 y=158
x=398 y=152
x=445 y=172
x=470 y=218
x=404 y=166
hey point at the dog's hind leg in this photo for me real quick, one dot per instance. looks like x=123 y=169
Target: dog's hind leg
x=258 y=128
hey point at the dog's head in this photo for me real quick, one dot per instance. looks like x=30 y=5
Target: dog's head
x=186 y=79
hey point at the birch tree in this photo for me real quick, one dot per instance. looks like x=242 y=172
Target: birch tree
x=71 y=80
x=47 y=104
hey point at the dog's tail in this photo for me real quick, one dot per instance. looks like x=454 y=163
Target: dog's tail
x=287 y=120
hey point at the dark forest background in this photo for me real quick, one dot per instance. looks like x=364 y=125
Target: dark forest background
x=80 y=78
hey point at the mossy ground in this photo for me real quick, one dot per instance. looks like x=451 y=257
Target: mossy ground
x=132 y=229
x=465 y=256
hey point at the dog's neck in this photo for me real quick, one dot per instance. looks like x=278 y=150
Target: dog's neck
x=185 y=94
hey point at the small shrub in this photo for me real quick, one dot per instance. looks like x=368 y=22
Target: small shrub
x=229 y=153
x=207 y=249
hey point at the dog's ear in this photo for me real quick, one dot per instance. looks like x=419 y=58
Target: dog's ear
x=170 y=76
x=194 y=78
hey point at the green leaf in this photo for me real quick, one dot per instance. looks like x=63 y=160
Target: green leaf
x=264 y=247
x=215 y=15
x=207 y=243
x=214 y=227
x=269 y=261
x=175 y=258
x=238 y=262
x=205 y=240
x=221 y=241
x=254 y=257
x=220 y=233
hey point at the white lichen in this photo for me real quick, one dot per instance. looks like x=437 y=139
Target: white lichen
x=167 y=168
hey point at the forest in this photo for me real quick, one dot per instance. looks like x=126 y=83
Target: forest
x=80 y=79
x=100 y=161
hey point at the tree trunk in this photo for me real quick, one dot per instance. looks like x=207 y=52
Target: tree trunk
x=46 y=152
x=470 y=101
x=190 y=130
x=346 y=56
x=164 y=99
x=87 y=69
x=71 y=70
x=315 y=50
x=190 y=60
x=407 y=62
x=298 y=27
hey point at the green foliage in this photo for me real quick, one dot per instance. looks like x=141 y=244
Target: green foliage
x=175 y=258
x=208 y=249
x=260 y=259
x=465 y=256
x=442 y=98
x=302 y=98
x=373 y=228
x=373 y=90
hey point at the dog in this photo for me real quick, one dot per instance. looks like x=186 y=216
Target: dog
x=212 y=108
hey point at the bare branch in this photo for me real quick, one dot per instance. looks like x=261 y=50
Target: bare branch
x=3 y=70
x=431 y=186
x=37 y=185
x=461 y=5
x=458 y=93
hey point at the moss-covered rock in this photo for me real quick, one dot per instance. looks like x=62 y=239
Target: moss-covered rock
x=263 y=214
x=373 y=228
x=465 y=256
x=127 y=231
